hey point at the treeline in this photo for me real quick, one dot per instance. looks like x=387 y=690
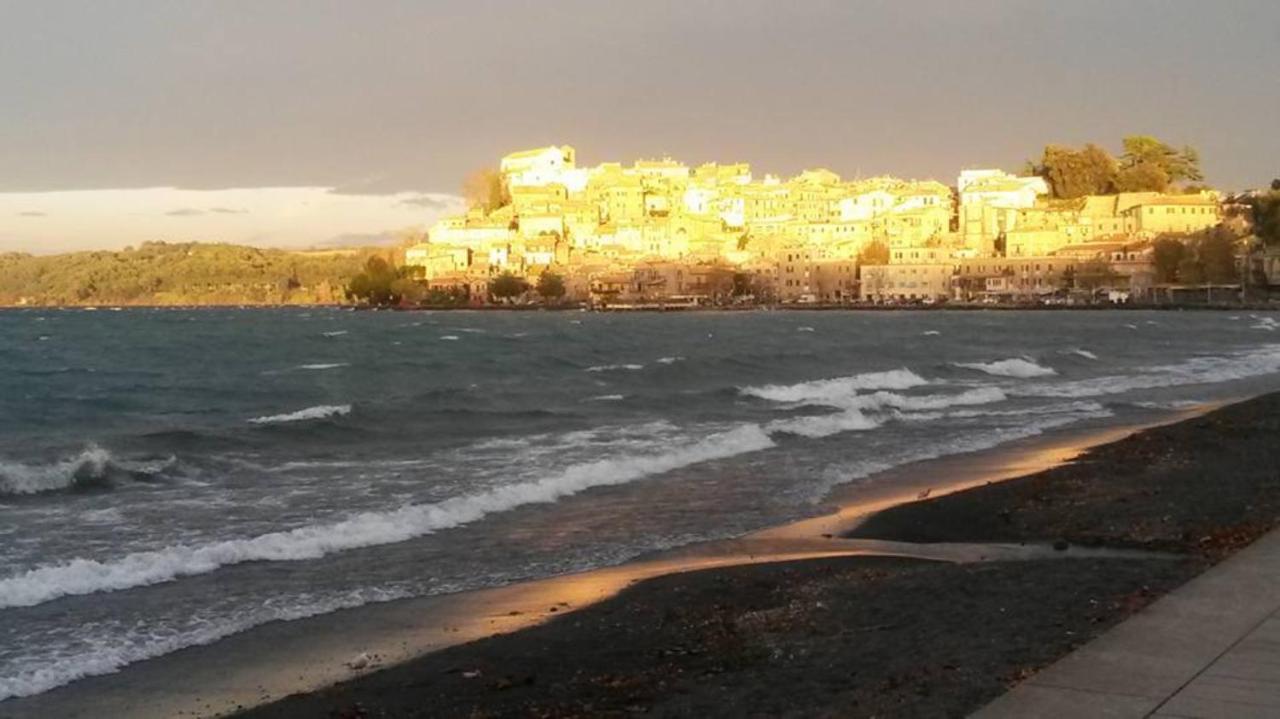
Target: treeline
x=1146 y=165
x=158 y=273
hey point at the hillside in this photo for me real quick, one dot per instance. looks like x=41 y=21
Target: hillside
x=158 y=273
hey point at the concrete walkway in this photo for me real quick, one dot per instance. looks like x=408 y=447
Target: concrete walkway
x=1211 y=648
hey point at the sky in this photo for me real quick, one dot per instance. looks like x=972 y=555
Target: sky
x=328 y=119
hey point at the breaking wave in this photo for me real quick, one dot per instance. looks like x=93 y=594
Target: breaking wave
x=1200 y=370
x=854 y=417
x=317 y=412
x=367 y=529
x=1081 y=353
x=323 y=366
x=615 y=367
x=1013 y=367
x=94 y=466
x=823 y=389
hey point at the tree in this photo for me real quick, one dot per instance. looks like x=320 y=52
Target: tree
x=1076 y=173
x=550 y=286
x=1142 y=177
x=409 y=291
x=1217 y=256
x=373 y=285
x=1189 y=271
x=875 y=253
x=507 y=286
x=1173 y=165
x=1094 y=275
x=1168 y=254
x=1266 y=218
x=1275 y=185
x=485 y=189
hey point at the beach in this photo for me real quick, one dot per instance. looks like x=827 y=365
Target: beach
x=876 y=636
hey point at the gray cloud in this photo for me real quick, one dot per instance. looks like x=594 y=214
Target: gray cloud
x=390 y=96
x=227 y=211
x=431 y=202
x=185 y=212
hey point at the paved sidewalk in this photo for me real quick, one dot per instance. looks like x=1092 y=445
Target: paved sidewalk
x=1210 y=648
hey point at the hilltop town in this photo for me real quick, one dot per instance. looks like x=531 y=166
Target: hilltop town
x=662 y=232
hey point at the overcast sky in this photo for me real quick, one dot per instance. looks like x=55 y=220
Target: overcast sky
x=378 y=97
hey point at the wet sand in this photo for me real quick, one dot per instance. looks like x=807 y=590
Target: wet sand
x=706 y=629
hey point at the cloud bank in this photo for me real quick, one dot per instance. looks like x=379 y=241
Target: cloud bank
x=293 y=217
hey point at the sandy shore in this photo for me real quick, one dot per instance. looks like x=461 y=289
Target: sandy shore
x=877 y=624
x=1096 y=540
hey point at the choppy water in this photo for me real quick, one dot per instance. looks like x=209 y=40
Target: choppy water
x=170 y=477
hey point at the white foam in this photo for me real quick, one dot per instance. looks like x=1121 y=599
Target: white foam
x=1014 y=367
x=449 y=338
x=317 y=412
x=18 y=478
x=109 y=656
x=823 y=389
x=931 y=333
x=324 y=366
x=824 y=425
x=1265 y=323
x=615 y=367
x=804 y=329
x=1081 y=353
x=367 y=529
x=1199 y=370
x=335 y=333
x=606 y=398
x=669 y=360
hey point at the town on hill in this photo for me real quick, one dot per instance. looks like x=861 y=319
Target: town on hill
x=1080 y=226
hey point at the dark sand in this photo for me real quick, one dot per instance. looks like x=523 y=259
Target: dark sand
x=873 y=636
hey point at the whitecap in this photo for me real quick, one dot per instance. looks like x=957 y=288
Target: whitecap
x=669 y=360
x=335 y=333
x=615 y=367
x=826 y=388
x=606 y=398
x=1014 y=367
x=1081 y=353
x=449 y=338
x=324 y=366
x=318 y=412
x=931 y=333
x=804 y=329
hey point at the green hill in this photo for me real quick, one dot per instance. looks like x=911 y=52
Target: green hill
x=159 y=273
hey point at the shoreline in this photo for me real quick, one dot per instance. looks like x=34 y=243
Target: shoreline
x=277 y=659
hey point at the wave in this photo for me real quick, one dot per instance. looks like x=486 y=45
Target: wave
x=1200 y=370
x=669 y=360
x=930 y=333
x=449 y=338
x=1014 y=367
x=854 y=417
x=615 y=367
x=107 y=657
x=804 y=329
x=94 y=466
x=1081 y=353
x=324 y=366
x=822 y=390
x=606 y=398
x=318 y=412
x=367 y=529
x=335 y=333
x=1265 y=323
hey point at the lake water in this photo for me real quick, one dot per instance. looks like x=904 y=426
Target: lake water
x=169 y=477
